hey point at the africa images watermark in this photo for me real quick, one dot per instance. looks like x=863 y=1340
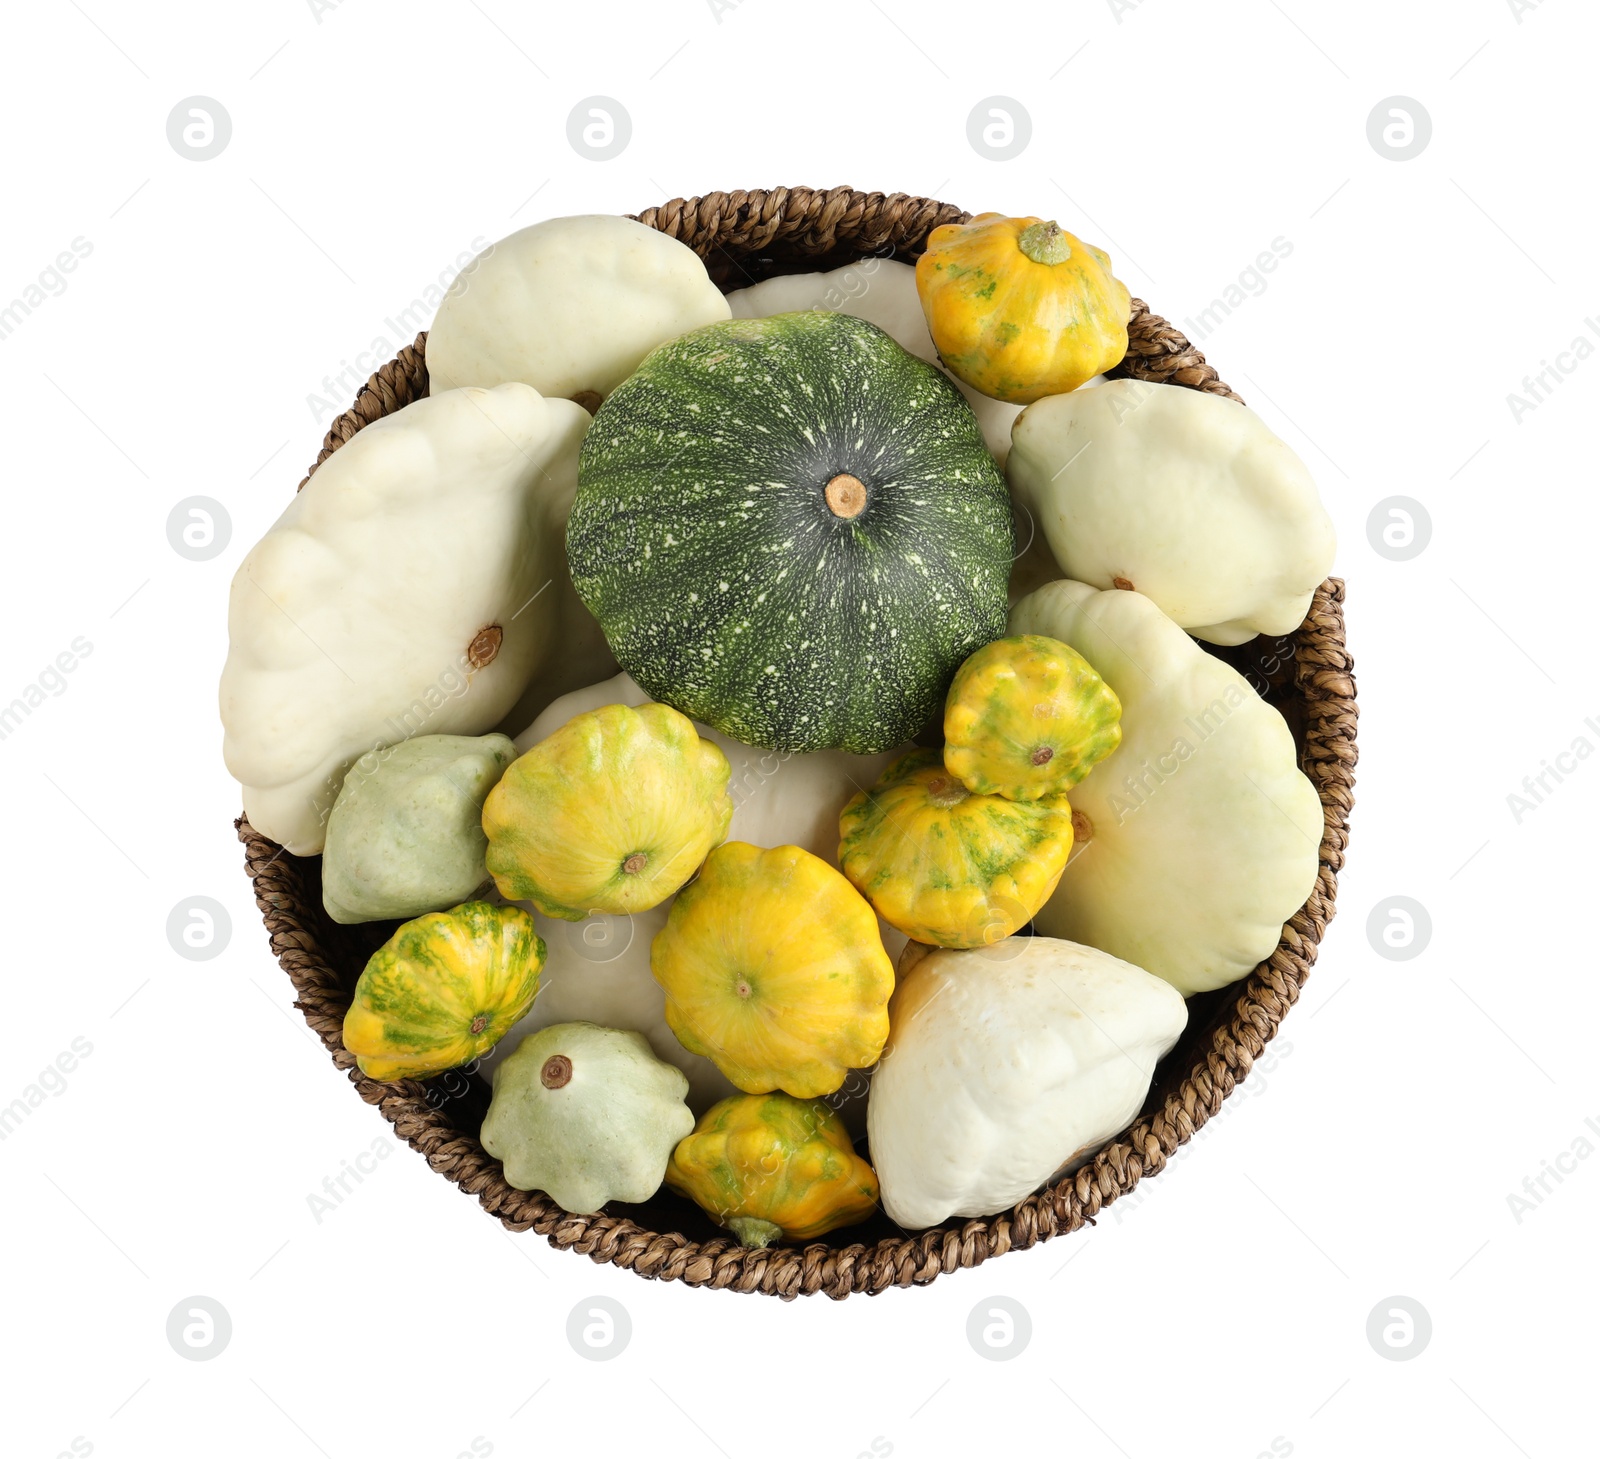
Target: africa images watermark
x=400 y=329
x=336 y=1188
x=1251 y=284
x=451 y=684
x=51 y=283
x=1537 y=788
x=1536 y=1188
x=51 y=681
x=50 y=1081
x=1537 y=388
x=1244 y=1093
x=1150 y=777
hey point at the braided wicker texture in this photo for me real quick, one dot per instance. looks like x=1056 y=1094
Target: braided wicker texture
x=745 y=237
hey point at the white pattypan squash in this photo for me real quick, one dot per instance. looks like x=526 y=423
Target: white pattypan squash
x=1196 y=839
x=1187 y=498
x=599 y=969
x=569 y=306
x=883 y=292
x=1005 y=1067
x=416 y=585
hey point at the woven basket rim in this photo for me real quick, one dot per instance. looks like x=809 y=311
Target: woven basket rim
x=808 y=227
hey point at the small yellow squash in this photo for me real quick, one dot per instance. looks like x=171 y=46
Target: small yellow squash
x=1028 y=717
x=768 y=1166
x=947 y=867
x=1019 y=308
x=773 y=969
x=613 y=813
x=443 y=990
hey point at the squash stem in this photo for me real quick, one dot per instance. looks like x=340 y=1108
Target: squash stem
x=1045 y=243
x=846 y=496
x=753 y=1231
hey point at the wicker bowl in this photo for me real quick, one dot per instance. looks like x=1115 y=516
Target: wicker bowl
x=745 y=237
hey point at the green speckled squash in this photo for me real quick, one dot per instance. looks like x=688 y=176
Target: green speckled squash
x=1028 y=717
x=444 y=989
x=947 y=867
x=790 y=529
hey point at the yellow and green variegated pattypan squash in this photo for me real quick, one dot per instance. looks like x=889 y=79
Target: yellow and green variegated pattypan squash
x=778 y=799
x=1200 y=834
x=1019 y=308
x=1006 y=1066
x=587 y=1115
x=768 y=1166
x=613 y=813
x=569 y=306
x=406 y=833
x=1185 y=497
x=948 y=867
x=1027 y=717
x=443 y=990
x=773 y=969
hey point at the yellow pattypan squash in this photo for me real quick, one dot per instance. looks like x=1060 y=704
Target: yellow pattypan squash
x=613 y=813
x=1028 y=717
x=443 y=990
x=773 y=969
x=947 y=867
x=1019 y=308
x=768 y=1165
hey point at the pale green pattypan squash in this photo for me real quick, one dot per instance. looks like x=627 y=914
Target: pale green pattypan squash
x=1197 y=839
x=569 y=306
x=1007 y=1066
x=599 y=969
x=406 y=833
x=1185 y=497
x=416 y=585
x=883 y=292
x=587 y=1115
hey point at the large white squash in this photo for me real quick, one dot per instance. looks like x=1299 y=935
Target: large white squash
x=416 y=585
x=1197 y=837
x=569 y=306
x=883 y=292
x=1187 y=497
x=598 y=970
x=1006 y=1066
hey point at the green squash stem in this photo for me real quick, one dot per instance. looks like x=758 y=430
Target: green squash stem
x=753 y=1231
x=1044 y=243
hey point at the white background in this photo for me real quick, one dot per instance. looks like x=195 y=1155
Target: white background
x=1225 y=1306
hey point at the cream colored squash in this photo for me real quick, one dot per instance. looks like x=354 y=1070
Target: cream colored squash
x=569 y=306
x=1197 y=839
x=1186 y=497
x=1006 y=1066
x=883 y=292
x=416 y=585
